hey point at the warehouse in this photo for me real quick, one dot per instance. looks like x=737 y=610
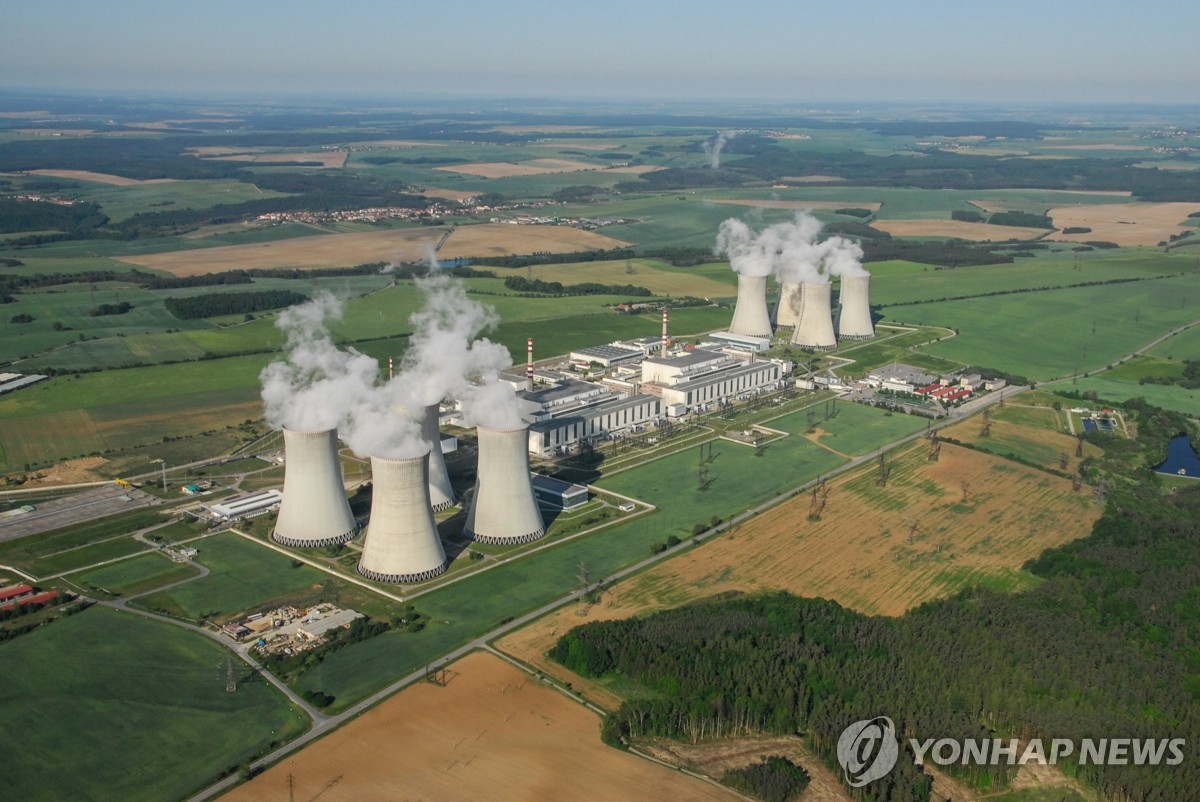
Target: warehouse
x=246 y=506
x=557 y=493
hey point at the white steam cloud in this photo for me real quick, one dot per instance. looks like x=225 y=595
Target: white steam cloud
x=714 y=147
x=789 y=251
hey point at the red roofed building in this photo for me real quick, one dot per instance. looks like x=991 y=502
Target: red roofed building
x=14 y=592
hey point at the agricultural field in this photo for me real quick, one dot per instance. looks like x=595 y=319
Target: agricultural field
x=498 y=239
x=658 y=277
x=77 y=546
x=1125 y=223
x=936 y=527
x=139 y=711
x=956 y=229
x=1037 y=435
x=1162 y=395
x=490 y=726
x=1054 y=333
x=1184 y=345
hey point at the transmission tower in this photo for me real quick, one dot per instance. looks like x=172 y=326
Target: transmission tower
x=1064 y=460
x=230 y=680
x=986 y=431
x=584 y=582
x=935 y=446
x=884 y=470
x=913 y=525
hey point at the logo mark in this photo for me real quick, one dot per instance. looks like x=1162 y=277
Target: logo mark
x=867 y=750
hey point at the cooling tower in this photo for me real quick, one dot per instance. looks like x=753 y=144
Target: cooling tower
x=750 y=316
x=314 y=511
x=503 y=509
x=441 y=493
x=854 y=309
x=402 y=543
x=814 y=328
x=787 y=310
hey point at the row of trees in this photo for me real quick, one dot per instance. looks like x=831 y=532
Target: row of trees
x=231 y=303
x=520 y=284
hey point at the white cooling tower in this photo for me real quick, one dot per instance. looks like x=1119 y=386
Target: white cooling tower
x=854 y=308
x=814 y=329
x=750 y=317
x=441 y=493
x=787 y=310
x=402 y=543
x=314 y=511
x=503 y=508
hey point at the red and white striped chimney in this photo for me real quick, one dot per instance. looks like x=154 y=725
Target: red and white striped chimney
x=529 y=365
x=666 y=341
x=390 y=372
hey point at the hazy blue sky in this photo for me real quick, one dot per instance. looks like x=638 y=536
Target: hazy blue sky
x=995 y=50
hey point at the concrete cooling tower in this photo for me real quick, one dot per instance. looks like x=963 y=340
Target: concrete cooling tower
x=750 y=316
x=814 y=329
x=314 y=511
x=854 y=309
x=441 y=493
x=787 y=310
x=402 y=543
x=503 y=509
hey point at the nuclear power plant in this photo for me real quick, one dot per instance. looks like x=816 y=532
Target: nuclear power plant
x=787 y=309
x=503 y=508
x=814 y=328
x=750 y=317
x=854 y=308
x=314 y=511
x=401 y=544
x=441 y=492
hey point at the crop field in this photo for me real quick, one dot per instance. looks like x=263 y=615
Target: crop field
x=878 y=550
x=1162 y=395
x=767 y=203
x=1125 y=223
x=893 y=345
x=499 y=239
x=62 y=562
x=121 y=201
x=1184 y=345
x=647 y=273
x=1053 y=333
x=102 y=178
x=531 y=167
x=107 y=705
x=957 y=229
x=135 y=575
x=490 y=727
x=855 y=429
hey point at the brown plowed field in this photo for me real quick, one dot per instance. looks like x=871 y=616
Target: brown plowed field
x=802 y=204
x=978 y=232
x=531 y=167
x=491 y=733
x=503 y=239
x=859 y=553
x=101 y=178
x=1124 y=223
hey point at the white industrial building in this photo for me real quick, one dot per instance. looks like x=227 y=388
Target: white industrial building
x=606 y=356
x=246 y=506
x=698 y=378
x=574 y=411
x=741 y=342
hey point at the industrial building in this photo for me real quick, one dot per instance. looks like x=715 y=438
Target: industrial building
x=606 y=356
x=246 y=506
x=740 y=342
x=699 y=378
x=573 y=411
x=401 y=544
x=503 y=508
x=557 y=493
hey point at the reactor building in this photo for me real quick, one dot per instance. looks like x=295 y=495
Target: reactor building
x=314 y=511
x=401 y=544
x=503 y=508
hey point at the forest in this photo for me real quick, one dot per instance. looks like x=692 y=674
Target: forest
x=1107 y=646
x=231 y=303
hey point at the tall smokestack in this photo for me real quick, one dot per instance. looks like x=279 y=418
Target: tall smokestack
x=441 y=492
x=666 y=340
x=529 y=365
x=787 y=309
x=854 y=309
x=314 y=511
x=402 y=543
x=814 y=329
x=750 y=317
x=503 y=509
x=391 y=370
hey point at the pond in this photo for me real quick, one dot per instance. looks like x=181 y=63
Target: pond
x=1182 y=459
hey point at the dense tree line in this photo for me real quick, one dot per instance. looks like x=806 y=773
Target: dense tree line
x=525 y=260
x=231 y=303
x=28 y=215
x=1107 y=646
x=1190 y=380
x=948 y=254
x=1021 y=219
x=111 y=309
x=520 y=284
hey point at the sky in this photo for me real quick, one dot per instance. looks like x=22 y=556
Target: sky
x=793 y=50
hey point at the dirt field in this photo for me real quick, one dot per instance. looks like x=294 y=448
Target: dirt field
x=1011 y=433
x=501 y=239
x=979 y=232
x=858 y=554
x=714 y=758
x=448 y=194
x=101 y=178
x=802 y=204
x=1124 y=223
x=491 y=733
x=329 y=250
x=69 y=472
x=812 y=179
x=531 y=167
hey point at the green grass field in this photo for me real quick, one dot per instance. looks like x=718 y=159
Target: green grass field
x=59 y=546
x=1184 y=345
x=135 y=575
x=108 y=705
x=855 y=429
x=1050 y=334
x=87 y=555
x=1161 y=395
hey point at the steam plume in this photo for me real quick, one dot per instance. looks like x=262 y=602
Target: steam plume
x=714 y=148
x=789 y=251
